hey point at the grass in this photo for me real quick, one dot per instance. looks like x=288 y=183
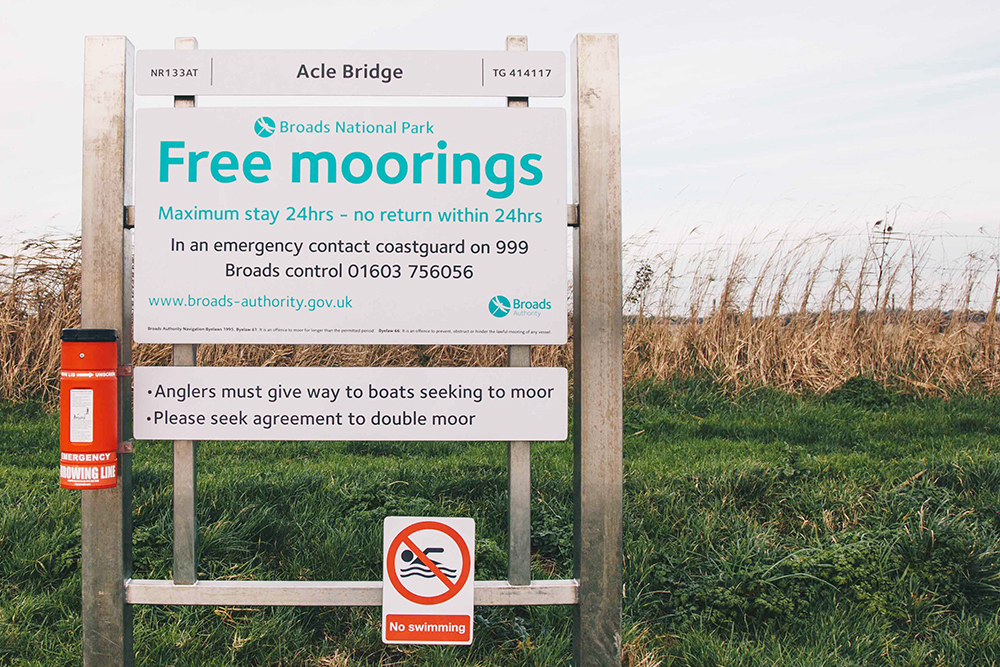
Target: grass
x=857 y=528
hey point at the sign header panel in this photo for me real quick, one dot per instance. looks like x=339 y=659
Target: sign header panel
x=351 y=225
x=441 y=404
x=428 y=574
x=401 y=73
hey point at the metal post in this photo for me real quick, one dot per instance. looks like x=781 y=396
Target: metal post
x=106 y=515
x=519 y=451
x=185 y=451
x=597 y=350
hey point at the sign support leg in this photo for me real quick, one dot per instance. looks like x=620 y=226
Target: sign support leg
x=185 y=451
x=519 y=452
x=597 y=352
x=106 y=515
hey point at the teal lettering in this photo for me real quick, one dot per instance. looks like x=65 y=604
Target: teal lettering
x=256 y=161
x=503 y=171
x=535 y=171
x=505 y=179
x=473 y=160
x=366 y=164
x=221 y=165
x=442 y=163
x=314 y=158
x=418 y=165
x=231 y=164
x=166 y=160
x=193 y=164
x=400 y=168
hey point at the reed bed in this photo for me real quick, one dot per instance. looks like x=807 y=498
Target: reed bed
x=802 y=317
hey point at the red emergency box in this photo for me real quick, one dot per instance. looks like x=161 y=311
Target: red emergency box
x=88 y=409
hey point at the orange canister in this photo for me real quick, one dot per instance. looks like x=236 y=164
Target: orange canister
x=88 y=409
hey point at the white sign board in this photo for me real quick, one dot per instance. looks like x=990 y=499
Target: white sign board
x=408 y=73
x=202 y=403
x=350 y=225
x=428 y=575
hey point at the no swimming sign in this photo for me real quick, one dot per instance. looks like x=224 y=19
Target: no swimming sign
x=428 y=570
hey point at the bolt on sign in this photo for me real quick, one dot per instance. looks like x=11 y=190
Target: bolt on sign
x=428 y=572
x=351 y=225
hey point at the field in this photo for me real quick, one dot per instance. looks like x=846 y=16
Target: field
x=802 y=318
x=762 y=528
x=811 y=478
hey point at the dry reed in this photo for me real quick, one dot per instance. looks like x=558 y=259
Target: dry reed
x=796 y=319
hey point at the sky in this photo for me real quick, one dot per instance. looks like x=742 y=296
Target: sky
x=739 y=120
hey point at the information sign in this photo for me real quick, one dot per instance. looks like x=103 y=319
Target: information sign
x=428 y=571
x=201 y=403
x=424 y=73
x=351 y=225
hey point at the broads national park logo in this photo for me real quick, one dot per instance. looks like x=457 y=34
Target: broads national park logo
x=501 y=306
x=264 y=126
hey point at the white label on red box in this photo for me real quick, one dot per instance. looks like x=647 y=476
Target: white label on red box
x=81 y=415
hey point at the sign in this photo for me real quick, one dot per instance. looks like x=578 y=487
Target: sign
x=200 y=403
x=441 y=73
x=428 y=574
x=351 y=225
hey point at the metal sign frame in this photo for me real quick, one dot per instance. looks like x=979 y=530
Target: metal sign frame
x=595 y=592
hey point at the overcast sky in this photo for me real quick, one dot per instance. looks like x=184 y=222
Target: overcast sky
x=736 y=116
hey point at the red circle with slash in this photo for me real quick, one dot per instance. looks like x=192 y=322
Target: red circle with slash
x=404 y=538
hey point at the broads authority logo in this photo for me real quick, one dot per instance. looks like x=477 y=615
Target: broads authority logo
x=501 y=306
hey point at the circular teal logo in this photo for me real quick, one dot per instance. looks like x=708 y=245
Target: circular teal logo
x=264 y=127
x=499 y=306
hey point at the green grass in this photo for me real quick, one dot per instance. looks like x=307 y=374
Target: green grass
x=862 y=528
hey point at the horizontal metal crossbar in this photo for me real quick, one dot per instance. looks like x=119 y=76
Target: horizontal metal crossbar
x=332 y=593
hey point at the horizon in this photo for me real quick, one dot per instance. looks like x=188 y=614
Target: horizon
x=738 y=124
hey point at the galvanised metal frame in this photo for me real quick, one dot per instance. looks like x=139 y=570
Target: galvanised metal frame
x=108 y=591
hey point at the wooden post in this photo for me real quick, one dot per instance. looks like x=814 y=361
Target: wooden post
x=597 y=351
x=185 y=451
x=518 y=452
x=106 y=302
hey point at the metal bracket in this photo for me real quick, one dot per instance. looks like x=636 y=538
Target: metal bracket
x=573 y=215
x=124 y=371
x=125 y=447
x=129 y=220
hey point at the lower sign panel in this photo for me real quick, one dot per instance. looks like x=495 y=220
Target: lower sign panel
x=428 y=570
x=192 y=403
